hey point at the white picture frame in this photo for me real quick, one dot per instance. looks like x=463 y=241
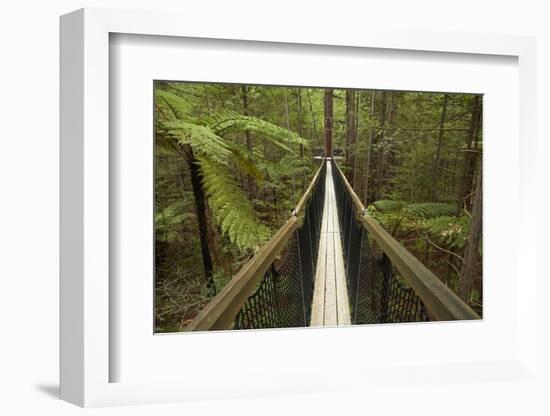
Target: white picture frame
x=85 y=162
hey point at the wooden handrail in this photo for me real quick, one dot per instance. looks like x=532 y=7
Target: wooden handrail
x=220 y=312
x=440 y=301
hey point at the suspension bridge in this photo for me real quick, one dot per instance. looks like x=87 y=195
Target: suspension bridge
x=330 y=264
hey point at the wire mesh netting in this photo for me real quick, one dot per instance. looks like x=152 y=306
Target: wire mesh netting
x=283 y=297
x=376 y=293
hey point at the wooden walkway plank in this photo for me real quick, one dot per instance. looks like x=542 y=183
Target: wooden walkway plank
x=341 y=284
x=331 y=316
x=318 y=306
x=330 y=297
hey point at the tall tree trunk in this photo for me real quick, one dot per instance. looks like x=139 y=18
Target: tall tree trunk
x=351 y=132
x=467 y=272
x=250 y=185
x=313 y=122
x=328 y=122
x=200 y=206
x=437 y=162
x=465 y=181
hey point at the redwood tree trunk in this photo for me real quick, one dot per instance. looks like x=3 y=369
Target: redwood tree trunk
x=200 y=205
x=328 y=122
x=313 y=122
x=471 y=253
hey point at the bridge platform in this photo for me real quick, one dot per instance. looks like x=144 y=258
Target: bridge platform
x=330 y=297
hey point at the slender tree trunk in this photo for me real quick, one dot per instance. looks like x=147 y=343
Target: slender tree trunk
x=313 y=122
x=465 y=181
x=250 y=185
x=200 y=205
x=328 y=122
x=437 y=162
x=467 y=272
x=351 y=132
x=474 y=159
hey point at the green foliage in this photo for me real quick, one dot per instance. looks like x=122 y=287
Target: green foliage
x=171 y=106
x=227 y=122
x=395 y=220
x=421 y=210
x=430 y=209
x=200 y=138
x=232 y=209
x=435 y=218
x=245 y=163
x=277 y=170
x=173 y=215
x=386 y=205
x=216 y=156
x=418 y=210
x=450 y=232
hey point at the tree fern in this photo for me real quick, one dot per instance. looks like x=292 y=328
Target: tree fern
x=387 y=205
x=230 y=205
x=171 y=106
x=430 y=209
x=200 y=138
x=233 y=212
x=449 y=231
x=227 y=122
x=245 y=163
x=285 y=167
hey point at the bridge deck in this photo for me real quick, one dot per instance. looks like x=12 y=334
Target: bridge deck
x=330 y=296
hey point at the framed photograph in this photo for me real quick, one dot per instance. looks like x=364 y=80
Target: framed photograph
x=286 y=213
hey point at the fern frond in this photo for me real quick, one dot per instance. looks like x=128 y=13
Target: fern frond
x=431 y=209
x=170 y=215
x=231 y=207
x=286 y=167
x=227 y=122
x=245 y=163
x=171 y=105
x=168 y=221
x=387 y=205
x=201 y=138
